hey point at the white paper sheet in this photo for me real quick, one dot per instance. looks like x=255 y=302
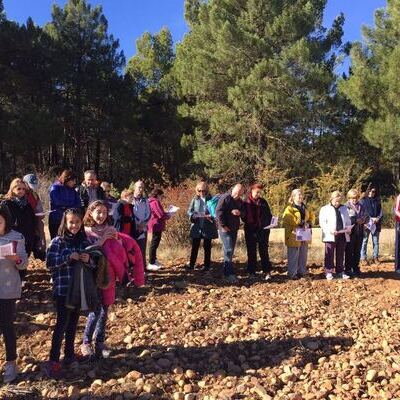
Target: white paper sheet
x=303 y=235
x=273 y=224
x=6 y=250
x=172 y=210
x=371 y=226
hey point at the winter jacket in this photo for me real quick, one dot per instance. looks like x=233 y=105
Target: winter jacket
x=292 y=220
x=373 y=208
x=123 y=219
x=356 y=212
x=83 y=191
x=201 y=227
x=158 y=216
x=10 y=281
x=59 y=264
x=61 y=198
x=327 y=222
x=258 y=214
x=39 y=247
x=223 y=212
x=23 y=221
x=141 y=209
x=125 y=263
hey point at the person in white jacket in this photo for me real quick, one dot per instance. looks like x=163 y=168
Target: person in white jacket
x=336 y=226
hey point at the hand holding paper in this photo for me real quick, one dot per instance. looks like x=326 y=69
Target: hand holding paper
x=6 y=251
x=273 y=224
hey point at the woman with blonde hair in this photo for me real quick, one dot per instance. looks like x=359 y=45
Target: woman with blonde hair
x=336 y=226
x=358 y=217
x=296 y=215
x=203 y=226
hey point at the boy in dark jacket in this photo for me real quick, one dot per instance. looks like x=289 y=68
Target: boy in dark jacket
x=228 y=212
x=90 y=190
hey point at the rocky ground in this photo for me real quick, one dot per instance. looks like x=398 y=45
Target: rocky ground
x=188 y=336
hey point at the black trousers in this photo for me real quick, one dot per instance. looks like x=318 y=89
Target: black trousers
x=155 y=242
x=257 y=238
x=53 y=229
x=195 y=251
x=353 y=252
x=66 y=325
x=7 y=328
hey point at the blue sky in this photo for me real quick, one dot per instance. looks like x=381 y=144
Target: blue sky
x=128 y=19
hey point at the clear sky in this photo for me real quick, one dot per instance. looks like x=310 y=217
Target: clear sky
x=128 y=19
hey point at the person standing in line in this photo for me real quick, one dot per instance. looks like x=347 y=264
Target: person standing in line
x=156 y=226
x=373 y=207
x=141 y=209
x=62 y=197
x=123 y=215
x=10 y=290
x=108 y=197
x=297 y=216
x=358 y=218
x=228 y=213
x=90 y=190
x=202 y=226
x=258 y=216
x=336 y=227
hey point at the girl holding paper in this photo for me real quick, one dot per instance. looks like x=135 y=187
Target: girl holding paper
x=297 y=216
x=336 y=227
x=10 y=290
x=203 y=226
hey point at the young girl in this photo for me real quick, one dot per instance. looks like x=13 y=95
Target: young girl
x=10 y=290
x=23 y=218
x=65 y=250
x=156 y=226
x=123 y=254
x=123 y=216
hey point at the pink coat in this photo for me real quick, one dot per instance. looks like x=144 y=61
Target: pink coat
x=124 y=261
x=158 y=216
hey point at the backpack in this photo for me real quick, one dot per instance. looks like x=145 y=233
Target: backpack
x=212 y=205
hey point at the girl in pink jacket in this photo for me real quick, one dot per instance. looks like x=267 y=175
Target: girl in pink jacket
x=156 y=226
x=125 y=263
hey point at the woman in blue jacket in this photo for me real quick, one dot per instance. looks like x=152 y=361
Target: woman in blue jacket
x=203 y=226
x=62 y=197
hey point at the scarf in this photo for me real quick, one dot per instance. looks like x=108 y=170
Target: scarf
x=100 y=231
x=302 y=210
x=253 y=212
x=74 y=240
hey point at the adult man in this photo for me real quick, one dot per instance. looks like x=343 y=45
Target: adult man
x=90 y=191
x=228 y=212
x=142 y=213
x=373 y=208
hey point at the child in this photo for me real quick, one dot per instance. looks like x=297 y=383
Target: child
x=64 y=252
x=122 y=253
x=156 y=226
x=10 y=290
x=123 y=216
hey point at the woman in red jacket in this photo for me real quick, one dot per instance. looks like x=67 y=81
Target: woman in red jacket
x=156 y=226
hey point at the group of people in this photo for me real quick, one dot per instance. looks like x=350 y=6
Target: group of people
x=98 y=241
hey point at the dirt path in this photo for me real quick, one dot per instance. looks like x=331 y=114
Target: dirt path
x=188 y=336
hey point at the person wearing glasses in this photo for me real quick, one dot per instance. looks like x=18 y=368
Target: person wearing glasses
x=62 y=196
x=203 y=226
x=358 y=218
x=23 y=218
x=373 y=207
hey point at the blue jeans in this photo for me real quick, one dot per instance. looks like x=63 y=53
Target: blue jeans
x=375 y=244
x=228 y=244
x=96 y=325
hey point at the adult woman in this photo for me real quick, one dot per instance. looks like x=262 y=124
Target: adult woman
x=256 y=218
x=203 y=226
x=335 y=223
x=296 y=216
x=62 y=197
x=358 y=218
x=156 y=226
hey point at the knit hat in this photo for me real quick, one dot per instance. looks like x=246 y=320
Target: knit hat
x=32 y=181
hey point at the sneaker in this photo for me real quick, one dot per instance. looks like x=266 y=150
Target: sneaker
x=10 y=371
x=153 y=267
x=53 y=369
x=345 y=276
x=102 y=351
x=158 y=264
x=293 y=277
x=87 y=350
x=190 y=267
x=75 y=361
x=231 y=279
x=329 y=276
x=267 y=277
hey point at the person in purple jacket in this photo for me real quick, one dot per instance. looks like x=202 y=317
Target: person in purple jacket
x=62 y=197
x=156 y=226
